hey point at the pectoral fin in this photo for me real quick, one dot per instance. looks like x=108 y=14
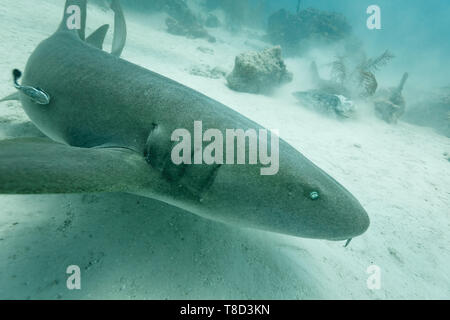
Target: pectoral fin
x=41 y=166
x=12 y=97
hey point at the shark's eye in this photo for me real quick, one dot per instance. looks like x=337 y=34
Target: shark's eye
x=314 y=195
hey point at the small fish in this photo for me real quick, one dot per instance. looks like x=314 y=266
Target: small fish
x=37 y=95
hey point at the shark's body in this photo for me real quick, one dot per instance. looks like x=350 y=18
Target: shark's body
x=112 y=122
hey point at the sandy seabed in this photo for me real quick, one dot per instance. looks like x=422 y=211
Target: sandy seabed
x=129 y=247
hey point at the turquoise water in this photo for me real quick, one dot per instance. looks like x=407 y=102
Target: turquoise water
x=131 y=247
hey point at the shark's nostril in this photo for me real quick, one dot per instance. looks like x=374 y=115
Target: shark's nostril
x=314 y=195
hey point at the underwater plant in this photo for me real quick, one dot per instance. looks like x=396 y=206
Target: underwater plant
x=362 y=78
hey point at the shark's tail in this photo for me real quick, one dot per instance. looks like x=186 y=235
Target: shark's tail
x=74 y=19
x=120 y=29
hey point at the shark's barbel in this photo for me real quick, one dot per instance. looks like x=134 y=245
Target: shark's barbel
x=110 y=124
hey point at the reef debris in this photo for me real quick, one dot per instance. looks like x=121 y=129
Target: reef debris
x=204 y=70
x=297 y=31
x=389 y=103
x=431 y=109
x=327 y=103
x=259 y=72
x=189 y=30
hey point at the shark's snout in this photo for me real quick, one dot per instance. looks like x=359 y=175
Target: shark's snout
x=344 y=215
x=301 y=201
x=324 y=209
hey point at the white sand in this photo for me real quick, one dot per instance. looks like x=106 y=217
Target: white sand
x=130 y=247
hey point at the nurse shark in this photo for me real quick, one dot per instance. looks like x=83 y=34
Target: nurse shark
x=110 y=122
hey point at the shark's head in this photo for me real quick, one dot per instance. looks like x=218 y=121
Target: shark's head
x=299 y=200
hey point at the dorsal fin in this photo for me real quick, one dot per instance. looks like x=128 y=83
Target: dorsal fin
x=70 y=10
x=97 y=38
x=120 y=29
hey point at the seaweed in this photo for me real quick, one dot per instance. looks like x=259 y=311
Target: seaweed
x=339 y=70
x=368 y=82
x=363 y=75
x=373 y=65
